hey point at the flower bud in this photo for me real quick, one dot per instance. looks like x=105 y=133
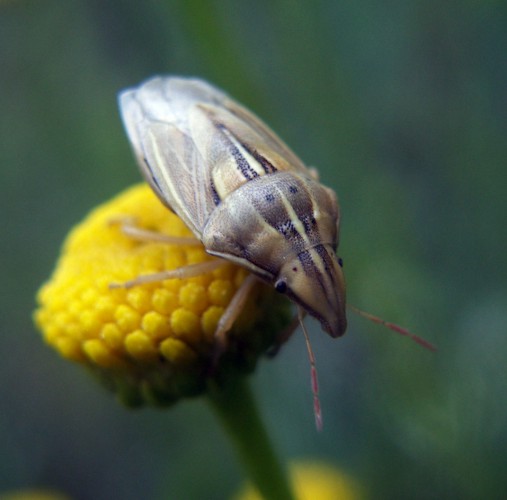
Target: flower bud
x=152 y=343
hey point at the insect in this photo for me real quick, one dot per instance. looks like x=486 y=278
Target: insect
x=245 y=195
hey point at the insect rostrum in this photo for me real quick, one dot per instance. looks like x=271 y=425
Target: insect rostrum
x=240 y=189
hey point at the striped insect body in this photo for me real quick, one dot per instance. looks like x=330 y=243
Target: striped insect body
x=269 y=227
x=244 y=194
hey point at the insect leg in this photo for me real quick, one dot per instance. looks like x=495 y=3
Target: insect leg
x=178 y=273
x=129 y=228
x=231 y=314
x=298 y=320
x=313 y=371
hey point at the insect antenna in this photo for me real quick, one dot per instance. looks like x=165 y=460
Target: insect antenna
x=395 y=328
x=313 y=370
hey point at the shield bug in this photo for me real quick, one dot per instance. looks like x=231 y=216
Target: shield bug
x=244 y=194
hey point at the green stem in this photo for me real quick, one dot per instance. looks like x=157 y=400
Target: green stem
x=236 y=408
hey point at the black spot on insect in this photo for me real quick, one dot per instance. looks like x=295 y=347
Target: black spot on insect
x=268 y=167
x=295 y=269
x=270 y=198
x=214 y=193
x=288 y=230
x=308 y=222
x=243 y=166
x=293 y=189
x=281 y=286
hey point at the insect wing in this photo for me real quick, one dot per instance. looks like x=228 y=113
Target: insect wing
x=156 y=117
x=255 y=133
x=190 y=137
x=180 y=174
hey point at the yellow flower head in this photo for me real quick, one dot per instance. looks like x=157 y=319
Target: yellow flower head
x=151 y=343
x=314 y=481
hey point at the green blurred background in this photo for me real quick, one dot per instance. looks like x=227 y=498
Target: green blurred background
x=402 y=106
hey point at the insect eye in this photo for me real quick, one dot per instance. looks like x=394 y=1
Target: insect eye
x=340 y=261
x=281 y=286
